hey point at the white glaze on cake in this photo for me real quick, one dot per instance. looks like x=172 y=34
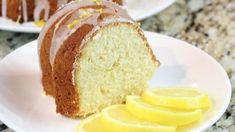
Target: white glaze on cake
x=41 y=5
x=53 y=19
x=61 y=2
x=24 y=8
x=63 y=33
x=4 y=8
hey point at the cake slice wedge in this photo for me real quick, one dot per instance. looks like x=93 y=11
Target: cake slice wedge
x=93 y=55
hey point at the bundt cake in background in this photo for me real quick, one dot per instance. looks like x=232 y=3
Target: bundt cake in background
x=32 y=10
x=92 y=55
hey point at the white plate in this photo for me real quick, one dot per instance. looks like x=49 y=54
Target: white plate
x=141 y=9
x=9 y=25
x=24 y=108
x=138 y=10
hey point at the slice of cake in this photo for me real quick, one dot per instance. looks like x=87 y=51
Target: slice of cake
x=93 y=55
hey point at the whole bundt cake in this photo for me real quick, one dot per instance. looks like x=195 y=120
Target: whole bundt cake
x=92 y=55
x=32 y=10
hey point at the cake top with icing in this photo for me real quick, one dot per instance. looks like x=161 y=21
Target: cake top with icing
x=72 y=16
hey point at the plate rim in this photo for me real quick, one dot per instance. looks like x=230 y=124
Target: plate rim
x=20 y=28
x=147 y=33
x=155 y=11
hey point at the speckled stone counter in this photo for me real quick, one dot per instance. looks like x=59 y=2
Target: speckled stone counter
x=207 y=24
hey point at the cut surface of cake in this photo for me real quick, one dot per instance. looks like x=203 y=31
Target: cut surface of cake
x=93 y=55
x=33 y=10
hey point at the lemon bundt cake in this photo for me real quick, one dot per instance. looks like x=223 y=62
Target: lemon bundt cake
x=32 y=10
x=93 y=55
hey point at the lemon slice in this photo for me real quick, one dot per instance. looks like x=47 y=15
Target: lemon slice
x=183 y=98
x=167 y=116
x=92 y=124
x=118 y=119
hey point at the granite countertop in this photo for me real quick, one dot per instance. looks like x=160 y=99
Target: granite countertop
x=207 y=24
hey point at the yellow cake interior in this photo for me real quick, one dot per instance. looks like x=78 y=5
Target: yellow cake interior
x=114 y=63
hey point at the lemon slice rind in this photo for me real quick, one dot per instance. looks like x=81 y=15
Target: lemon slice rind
x=125 y=126
x=160 y=115
x=201 y=100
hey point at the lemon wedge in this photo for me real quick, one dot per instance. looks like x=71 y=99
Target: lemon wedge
x=182 y=98
x=162 y=115
x=92 y=124
x=118 y=119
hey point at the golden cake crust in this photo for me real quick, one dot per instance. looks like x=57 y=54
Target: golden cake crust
x=30 y=9
x=47 y=73
x=120 y=2
x=67 y=99
x=45 y=64
x=13 y=10
x=45 y=52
